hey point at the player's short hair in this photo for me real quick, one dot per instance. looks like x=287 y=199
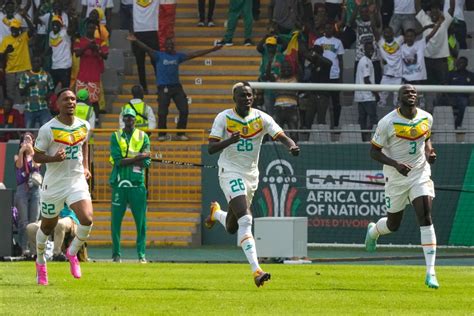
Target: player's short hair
x=239 y=84
x=58 y=94
x=410 y=31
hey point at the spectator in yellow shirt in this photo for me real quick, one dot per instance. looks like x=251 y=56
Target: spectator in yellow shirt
x=14 y=49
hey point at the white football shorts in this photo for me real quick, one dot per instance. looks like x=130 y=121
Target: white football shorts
x=397 y=197
x=234 y=184
x=52 y=204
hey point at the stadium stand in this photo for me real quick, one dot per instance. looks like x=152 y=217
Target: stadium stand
x=444 y=117
x=322 y=137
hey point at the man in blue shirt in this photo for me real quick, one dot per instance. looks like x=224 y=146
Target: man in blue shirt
x=169 y=86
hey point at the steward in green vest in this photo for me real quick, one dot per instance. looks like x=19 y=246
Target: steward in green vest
x=130 y=156
x=83 y=109
x=145 y=118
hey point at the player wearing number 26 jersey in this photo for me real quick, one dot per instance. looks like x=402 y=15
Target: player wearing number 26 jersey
x=237 y=134
x=64 y=182
x=242 y=156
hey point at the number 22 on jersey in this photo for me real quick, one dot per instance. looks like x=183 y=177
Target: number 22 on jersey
x=71 y=152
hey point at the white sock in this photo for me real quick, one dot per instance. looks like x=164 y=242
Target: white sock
x=245 y=237
x=82 y=233
x=220 y=216
x=428 y=242
x=40 y=246
x=380 y=228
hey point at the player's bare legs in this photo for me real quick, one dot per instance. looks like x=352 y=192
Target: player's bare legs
x=384 y=226
x=46 y=229
x=83 y=210
x=423 y=206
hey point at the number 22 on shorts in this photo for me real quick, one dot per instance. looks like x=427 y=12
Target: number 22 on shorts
x=237 y=185
x=47 y=209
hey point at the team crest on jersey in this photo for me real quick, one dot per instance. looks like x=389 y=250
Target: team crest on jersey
x=69 y=137
x=412 y=131
x=247 y=129
x=144 y=3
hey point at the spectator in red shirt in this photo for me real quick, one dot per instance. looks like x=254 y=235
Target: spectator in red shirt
x=10 y=118
x=92 y=52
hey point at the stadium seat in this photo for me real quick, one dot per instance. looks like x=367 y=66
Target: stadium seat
x=468 y=120
x=349 y=115
x=118 y=39
x=320 y=138
x=115 y=60
x=444 y=135
x=443 y=116
x=469 y=137
x=111 y=81
x=350 y=134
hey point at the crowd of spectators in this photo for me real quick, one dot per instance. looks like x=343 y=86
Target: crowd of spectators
x=410 y=41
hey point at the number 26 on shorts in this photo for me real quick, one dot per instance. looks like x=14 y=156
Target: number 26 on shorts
x=237 y=185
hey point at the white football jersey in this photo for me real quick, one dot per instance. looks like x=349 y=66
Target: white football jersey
x=403 y=140
x=242 y=157
x=55 y=135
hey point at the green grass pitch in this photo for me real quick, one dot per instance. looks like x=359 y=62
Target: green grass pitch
x=228 y=289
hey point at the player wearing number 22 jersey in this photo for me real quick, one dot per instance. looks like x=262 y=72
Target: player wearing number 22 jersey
x=237 y=133
x=62 y=145
x=64 y=182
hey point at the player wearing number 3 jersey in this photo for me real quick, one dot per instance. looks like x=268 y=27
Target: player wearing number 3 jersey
x=62 y=145
x=402 y=143
x=238 y=133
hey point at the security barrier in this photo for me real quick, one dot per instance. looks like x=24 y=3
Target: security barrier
x=165 y=182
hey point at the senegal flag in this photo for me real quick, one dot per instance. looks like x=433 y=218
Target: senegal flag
x=291 y=52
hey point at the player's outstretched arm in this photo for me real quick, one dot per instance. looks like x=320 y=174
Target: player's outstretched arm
x=377 y=154
x=288 y=142
x=216 y=145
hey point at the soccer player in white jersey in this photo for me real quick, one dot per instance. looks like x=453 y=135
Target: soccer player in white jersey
x=62 y=145
x=238 y=133
x=402 y=143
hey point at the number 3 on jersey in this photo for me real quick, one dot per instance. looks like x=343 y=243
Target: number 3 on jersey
x=237 y=185
x=245 y=145
x=412 y=148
